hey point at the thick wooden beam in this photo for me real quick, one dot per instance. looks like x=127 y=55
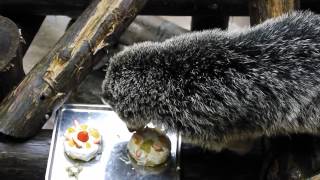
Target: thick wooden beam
x=28 y=159
x=11 y=53
x=153 y=7
x=22 y=112
x=75 y=7
x=260 y=10
x=24 y=160
x=150 y=28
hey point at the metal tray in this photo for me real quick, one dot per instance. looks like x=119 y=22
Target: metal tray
x=113 y=161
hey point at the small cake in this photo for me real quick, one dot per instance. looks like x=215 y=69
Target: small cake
x=82 y=142
x=149 y=147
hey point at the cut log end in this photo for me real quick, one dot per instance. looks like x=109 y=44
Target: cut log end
x=11 y=70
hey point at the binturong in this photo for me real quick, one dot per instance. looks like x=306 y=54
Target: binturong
x=219 y=87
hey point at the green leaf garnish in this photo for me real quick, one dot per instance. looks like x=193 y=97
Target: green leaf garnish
x=146 y=145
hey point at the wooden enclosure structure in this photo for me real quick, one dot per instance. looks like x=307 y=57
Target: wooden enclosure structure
x=24 y=147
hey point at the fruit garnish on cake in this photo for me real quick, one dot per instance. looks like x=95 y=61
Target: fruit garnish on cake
x=81 y=142
x=149 y=147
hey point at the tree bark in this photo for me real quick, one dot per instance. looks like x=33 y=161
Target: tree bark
x=261 y=10
x=22 y=112
x=11 y=53
x=74 y=8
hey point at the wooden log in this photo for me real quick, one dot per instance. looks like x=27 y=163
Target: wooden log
x=24 y=160
x=11 y=53
x=48 y=84
x=150 y=28
x=153 y=7
x=28 y=159
x=260 y=10
x=75 y=7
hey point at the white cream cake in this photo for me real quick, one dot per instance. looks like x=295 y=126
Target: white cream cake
x=149 y=147
x=82 y=142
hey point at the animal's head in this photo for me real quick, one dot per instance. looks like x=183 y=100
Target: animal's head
x=130 y=87
x=161 y=82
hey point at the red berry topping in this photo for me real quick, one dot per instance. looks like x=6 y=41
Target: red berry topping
x=83 y=136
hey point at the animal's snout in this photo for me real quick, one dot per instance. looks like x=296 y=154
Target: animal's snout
x=132 y=128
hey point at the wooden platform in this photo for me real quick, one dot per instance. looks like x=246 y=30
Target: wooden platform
x=284 y=157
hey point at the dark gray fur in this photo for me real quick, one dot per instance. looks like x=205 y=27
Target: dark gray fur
x=219 y=87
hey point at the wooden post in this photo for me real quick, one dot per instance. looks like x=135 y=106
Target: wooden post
x=11 y=53
x=260 y=10
x=48 y=84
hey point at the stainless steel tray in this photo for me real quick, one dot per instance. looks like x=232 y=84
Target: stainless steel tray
x=113 y=161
